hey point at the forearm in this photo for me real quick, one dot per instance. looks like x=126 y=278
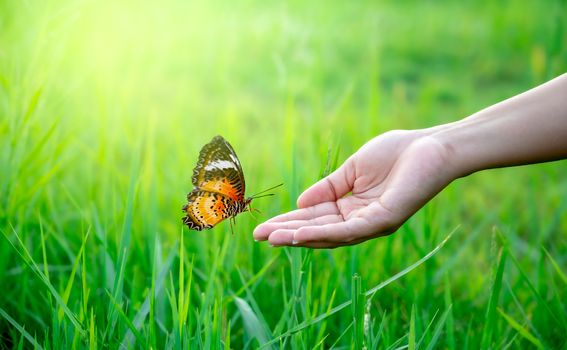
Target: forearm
x=528 y=128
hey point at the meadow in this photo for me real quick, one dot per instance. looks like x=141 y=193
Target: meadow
x=104 y=106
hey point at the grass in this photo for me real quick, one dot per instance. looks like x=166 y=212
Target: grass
x=105 y=105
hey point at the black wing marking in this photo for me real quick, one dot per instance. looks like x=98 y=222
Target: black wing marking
x=215 y=158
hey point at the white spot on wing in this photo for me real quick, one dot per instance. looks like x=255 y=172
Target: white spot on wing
x=234 y=159
x=220 y=164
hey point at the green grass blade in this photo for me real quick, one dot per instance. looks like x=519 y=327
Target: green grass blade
x=555 y=265
x=531 y=286
x=20 y=329
x=412 y=335
x=347 y=329
x=181 y=283
x=124 y=245
x=450 y=322
x=152 y=297
x=28 y=260
x=425 y=332
x=251 y=321
x=141 y=340
x=370 y=293
x=253 y=279
x=145 y=308
x=67 y=291
x=358 y=304
x=490 y=317
x=44 y=256
x=92 y=332
x=521 y=330
x=438 y=329
x=227 y=337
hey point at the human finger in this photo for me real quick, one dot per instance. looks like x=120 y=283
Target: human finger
x=342 y=232
x=284 y=237
x=264 y=230
x=315 y=245
x=328 y=208
x=331 y=188
x=329 y=245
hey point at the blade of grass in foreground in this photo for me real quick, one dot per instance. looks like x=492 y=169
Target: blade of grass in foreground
x=92 y=332
x=370 y=293
x=523 y=332
x=358 y=303
x=411 y=340
x=488 y=331
x=67 y=291
x=555 y=266
x=141 y=340
x=450 y=321
x=251 y=322
x=373 y=336
x=341 y=335
x=159 y=282
x=525 y=278
x=21 y=329
x=425 y=331
x=438 y=329
x=30 y=262
x=126 y=236
x=257 y=313
x=253 y=279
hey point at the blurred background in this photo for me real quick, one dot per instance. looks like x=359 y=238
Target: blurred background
x=105 y=105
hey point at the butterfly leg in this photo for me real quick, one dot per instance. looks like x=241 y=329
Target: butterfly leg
x=252 y=210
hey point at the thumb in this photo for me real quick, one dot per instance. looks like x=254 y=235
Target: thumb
x=330 y=188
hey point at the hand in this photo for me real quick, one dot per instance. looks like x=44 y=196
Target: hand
x=395 y=174
x=372 y=194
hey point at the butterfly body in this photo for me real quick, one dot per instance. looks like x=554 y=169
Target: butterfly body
x=219 y=187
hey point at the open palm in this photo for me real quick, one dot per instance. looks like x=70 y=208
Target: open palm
x=371 y=194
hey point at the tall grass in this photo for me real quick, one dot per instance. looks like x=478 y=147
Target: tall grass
x=104 y=107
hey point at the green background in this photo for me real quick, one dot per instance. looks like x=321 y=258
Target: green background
x=104 y=106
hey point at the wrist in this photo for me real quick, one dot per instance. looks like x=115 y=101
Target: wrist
x=460 y=146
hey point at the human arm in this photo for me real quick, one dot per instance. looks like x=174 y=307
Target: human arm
x=395 y=174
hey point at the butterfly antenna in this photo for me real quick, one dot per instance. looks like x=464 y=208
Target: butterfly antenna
x=257 y=195
x=263 y=195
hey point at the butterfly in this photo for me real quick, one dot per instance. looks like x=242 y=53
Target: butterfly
x=219 y=187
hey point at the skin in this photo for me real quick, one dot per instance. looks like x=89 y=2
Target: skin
x=393 y=175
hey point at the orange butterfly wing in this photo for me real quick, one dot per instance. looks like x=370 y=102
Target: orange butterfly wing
x=219 y=186
x=205 y=209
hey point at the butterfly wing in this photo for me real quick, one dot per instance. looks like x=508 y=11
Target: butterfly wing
x=219 y=170
x=206 y=209
x=219 y=186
